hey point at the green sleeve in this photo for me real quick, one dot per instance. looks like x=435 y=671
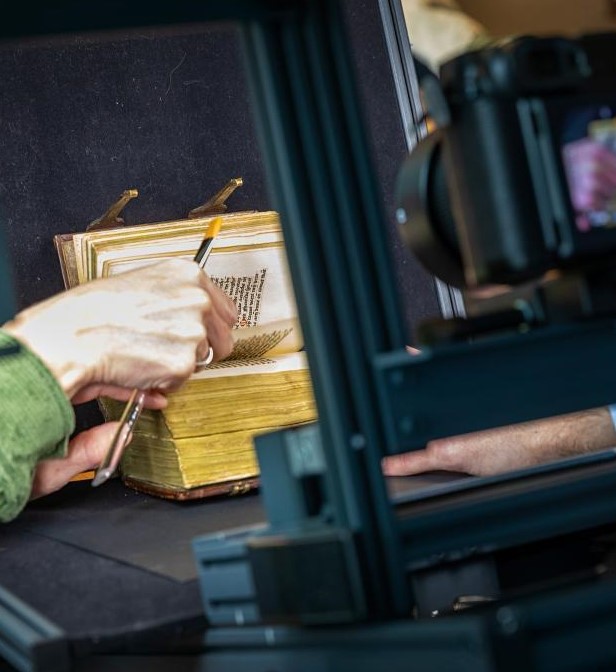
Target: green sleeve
x=36 y=420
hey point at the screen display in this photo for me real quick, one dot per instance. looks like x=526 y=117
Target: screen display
x=588 y=149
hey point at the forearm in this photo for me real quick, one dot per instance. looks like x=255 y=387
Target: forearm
x=574 y=434
x=531 y=443
x=37 y=419
x=496 y=451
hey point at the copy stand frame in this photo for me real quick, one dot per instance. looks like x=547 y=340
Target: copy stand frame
x=323 y=488
x=338 y=521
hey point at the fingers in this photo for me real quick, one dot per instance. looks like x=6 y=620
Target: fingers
x=222 y=303
x=173 y=314
x=85 y=452
x=205 y=361
x=409 y=464
x=218 y=323
x=591 y=173
x=154 y=399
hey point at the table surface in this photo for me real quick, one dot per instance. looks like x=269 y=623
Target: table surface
x=99 y=562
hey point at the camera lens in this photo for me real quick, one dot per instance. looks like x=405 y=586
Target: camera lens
x=424 y=213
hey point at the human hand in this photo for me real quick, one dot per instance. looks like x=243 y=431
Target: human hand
x=591 y=174
x=145 y=328
x=479 y=454
x=85 y=452
x=87 y=449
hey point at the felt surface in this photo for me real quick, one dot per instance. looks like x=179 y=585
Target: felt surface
x=103 y=562
x=88 y=595
x=139 y=530
x=153 y=534
x=100 y=562
x=383 y=125
x=82 y=118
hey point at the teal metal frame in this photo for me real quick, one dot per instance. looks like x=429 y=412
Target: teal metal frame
x=322 y=182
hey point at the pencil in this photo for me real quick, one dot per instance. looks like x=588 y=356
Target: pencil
x=206 y=246
x=134 y=405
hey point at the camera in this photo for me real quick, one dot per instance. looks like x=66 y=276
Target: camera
x=517 y=183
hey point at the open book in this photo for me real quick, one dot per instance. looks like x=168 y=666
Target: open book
x=201 y=444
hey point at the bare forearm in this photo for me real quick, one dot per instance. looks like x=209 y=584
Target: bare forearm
x=503 y=449
x=574 y=434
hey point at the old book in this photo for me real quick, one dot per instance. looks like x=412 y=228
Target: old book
x=201 y=444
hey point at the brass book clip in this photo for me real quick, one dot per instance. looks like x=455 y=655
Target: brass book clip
x=111 y=218
x=217 y=204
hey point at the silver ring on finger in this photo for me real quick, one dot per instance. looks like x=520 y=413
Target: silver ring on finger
x=202 y=363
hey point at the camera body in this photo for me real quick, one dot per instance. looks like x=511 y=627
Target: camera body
x=502 y=191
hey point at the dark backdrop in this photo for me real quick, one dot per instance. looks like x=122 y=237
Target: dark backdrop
x=84 y=117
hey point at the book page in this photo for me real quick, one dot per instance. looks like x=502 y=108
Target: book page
x=258 y=282
x=257 y=279
x=270 y=340
x=248 y=262
x=295 y=361
x=134 y=244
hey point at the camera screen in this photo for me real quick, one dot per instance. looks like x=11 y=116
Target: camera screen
x=588 y=148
